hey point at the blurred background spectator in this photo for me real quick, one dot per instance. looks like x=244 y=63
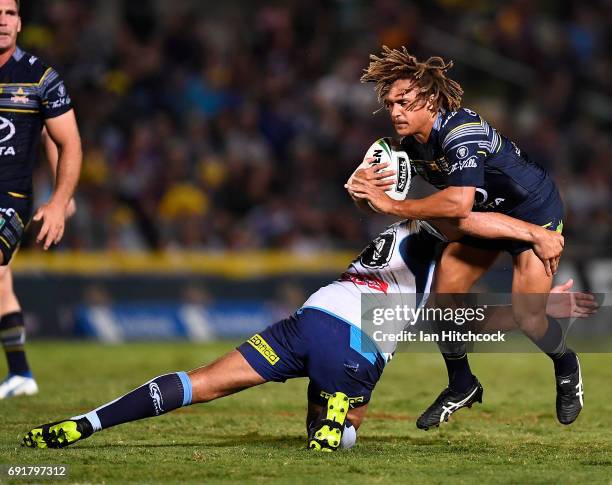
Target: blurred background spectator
x=235 y=124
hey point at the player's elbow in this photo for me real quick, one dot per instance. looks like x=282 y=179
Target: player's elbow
x=461 y=200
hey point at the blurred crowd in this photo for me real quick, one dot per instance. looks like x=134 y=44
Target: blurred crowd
x=235 y=124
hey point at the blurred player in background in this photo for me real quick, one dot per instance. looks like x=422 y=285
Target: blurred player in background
x=322 y=341
x=32 y=97
x=475 y=169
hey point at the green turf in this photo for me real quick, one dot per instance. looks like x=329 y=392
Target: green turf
x=258 y=435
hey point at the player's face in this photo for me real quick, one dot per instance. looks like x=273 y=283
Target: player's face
x=406 y=120
x=10 y=24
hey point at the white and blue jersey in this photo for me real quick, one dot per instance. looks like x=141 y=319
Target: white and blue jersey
x=323 y=339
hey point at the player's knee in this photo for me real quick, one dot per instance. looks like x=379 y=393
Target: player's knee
x=349 y=435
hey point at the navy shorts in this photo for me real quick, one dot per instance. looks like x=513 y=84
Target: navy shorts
x=544 y=211
x=15 y=213
x=315 y=344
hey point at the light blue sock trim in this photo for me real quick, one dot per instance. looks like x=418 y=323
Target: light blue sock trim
x=187 y=389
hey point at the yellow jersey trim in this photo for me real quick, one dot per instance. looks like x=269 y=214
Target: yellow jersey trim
x=8 y=110
x=17 y=195
x=49 y=69
x=472 y=123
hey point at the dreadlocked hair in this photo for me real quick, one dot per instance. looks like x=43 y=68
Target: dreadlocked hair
x=428 y=77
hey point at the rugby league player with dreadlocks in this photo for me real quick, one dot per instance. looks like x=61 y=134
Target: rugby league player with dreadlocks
x=475 y=168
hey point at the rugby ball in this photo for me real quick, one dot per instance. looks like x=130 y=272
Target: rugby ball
x=386 y=150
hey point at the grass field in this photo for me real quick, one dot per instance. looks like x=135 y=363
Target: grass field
x=258 y=435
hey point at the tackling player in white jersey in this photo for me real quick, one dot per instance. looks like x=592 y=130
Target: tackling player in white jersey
x=322 y=341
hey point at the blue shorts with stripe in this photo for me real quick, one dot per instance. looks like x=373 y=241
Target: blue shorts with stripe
x=335 y=355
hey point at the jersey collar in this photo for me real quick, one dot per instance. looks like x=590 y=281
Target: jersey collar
x=18 y=54
x=438 y=122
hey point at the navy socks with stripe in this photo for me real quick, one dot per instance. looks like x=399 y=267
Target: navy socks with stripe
x=12 y=332
x=460 y=377
x=156 y=397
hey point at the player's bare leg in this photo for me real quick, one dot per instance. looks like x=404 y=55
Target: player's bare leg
x=459 y=268
x=8 y=299
x=227 y=375
x=530 y=290
x=12 y=333
x=333 y=426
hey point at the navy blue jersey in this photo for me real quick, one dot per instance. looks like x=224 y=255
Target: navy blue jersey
x=463 y=150
x=30 y=92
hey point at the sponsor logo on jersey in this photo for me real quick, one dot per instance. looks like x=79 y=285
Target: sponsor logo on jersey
x=7 y=211
x=58 y=103
x=156 y=396
x=32 y=60
x=7 y=131
x=448 y=118
x=366 y=280
x=469 y=163
x=470 y=112
x=20 y=97
x=352 y=400
x=263 y=348
x=438 y=165
x=462 y=152
x=481 y=200
x=379 y=251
